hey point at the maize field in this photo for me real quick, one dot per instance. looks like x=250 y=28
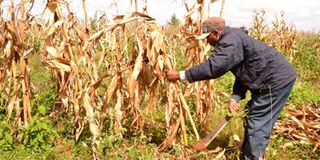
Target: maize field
x=109 y=74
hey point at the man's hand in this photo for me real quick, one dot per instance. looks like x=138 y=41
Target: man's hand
x=172 y=75
x=234 y=106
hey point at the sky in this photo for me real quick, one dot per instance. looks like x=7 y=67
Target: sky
x=305 y=15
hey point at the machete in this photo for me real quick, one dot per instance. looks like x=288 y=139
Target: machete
x=204 y=142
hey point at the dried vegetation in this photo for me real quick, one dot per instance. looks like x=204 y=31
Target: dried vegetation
x=116 y=70
x=302 y=126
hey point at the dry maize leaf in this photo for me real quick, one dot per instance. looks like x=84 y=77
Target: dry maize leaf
x=138 y=94
x=147 y=74
x=90 y=114
x=193 y=43
x=118 y=17
x=301 y=136
x=189 y=89
x=136 y=70
x=65 y=101
x=311 y=112
x=13 y=101
x=26 y=105
x=294 y=112
x=80 y=128
x=52 y=51
x=198 y=102
x=161 y=62
x=53 y=28
x=152 y=95
x=59 y=64
x=167 y=62
x=313 y=125
x=149 y=46
x=220 y=155
x=96 y=36
x=76 y=108
x=289 y=144
x=297 y=121
x=97 y=83
x=157 y=40
x=313 y=139
x=128 y=18
x=317 y=146
x=118 y=113
x=193 y=9
x=58 y=13
x=26 y=53
x=170 y=136
x=169 y=104
x=12 y=77
x=11 y=29
x=186 y=5
x=111 y=89
x=144 y=16
x=158 y=71
x=93 y=39
x=18 y=118
x=83 y=36
x=7 y=50
x=113 y=44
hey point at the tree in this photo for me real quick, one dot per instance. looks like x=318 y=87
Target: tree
x=174 y=20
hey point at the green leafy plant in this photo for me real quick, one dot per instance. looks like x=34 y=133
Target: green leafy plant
x=39 y=135
x=6 y=142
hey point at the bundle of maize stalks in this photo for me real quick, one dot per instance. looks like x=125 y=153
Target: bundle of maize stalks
x=302 y=126
x=129 y=54
x=111 y=69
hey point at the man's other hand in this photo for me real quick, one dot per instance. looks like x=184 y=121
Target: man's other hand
x=172 y=75
x=234 y=106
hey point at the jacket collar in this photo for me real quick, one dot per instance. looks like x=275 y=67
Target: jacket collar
x=225 y=30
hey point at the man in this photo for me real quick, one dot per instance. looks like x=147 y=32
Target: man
x=257 y=68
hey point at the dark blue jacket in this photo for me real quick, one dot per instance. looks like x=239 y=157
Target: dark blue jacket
x=255 y=65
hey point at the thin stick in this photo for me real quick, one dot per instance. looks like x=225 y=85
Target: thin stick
x=136 y=5
x=183 y=127
x=186 y=107
x=222 y=5
x=85 y=13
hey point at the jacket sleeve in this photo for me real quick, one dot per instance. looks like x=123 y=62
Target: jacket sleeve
x=228 y=53
x=239 y=91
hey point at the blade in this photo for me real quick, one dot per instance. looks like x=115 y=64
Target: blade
x=204 y=142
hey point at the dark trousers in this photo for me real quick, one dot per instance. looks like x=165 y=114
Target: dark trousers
x=264 y=110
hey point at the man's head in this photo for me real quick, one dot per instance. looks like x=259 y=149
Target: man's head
x=211 y=29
